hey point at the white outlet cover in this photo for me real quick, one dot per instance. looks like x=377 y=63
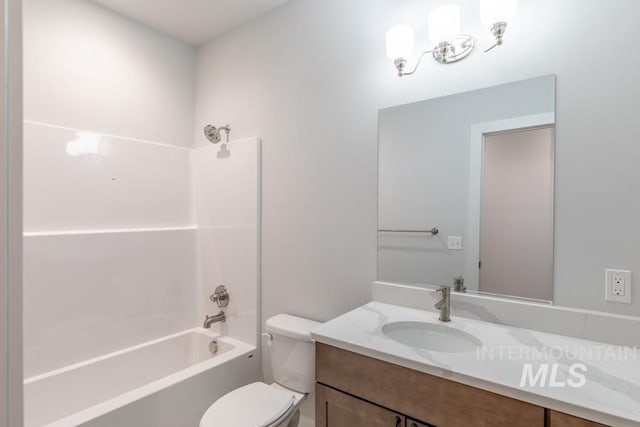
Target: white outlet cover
x=454 y=243
x=617 y=285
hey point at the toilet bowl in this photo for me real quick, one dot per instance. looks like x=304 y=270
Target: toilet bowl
x=277 y=405
x=255 y=405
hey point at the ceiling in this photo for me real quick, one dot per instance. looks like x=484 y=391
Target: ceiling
x=192 y=21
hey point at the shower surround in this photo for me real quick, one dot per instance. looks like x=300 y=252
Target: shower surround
x=124 y=241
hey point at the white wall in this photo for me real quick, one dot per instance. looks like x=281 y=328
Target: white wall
x=88 y=68
x=86 y=295
x=310 y=77
x=110 y=243
x=227 y=210
x=113 y=256
x=110 y=256
x=80 y=181
x=424 y=173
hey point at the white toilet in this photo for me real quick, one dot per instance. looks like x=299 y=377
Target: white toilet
x=276 y=405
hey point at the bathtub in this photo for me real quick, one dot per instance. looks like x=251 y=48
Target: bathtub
x=169 y=382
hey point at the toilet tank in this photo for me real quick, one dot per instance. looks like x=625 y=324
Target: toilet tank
x=292 y=351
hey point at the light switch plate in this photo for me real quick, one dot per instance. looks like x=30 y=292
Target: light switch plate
x=454 y=243
x=617 y=285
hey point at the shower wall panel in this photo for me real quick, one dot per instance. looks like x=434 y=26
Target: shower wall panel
x=80 y=180
x=110 y=249
x=227 y=190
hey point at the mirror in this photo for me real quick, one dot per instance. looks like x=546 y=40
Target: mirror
x=466 y=191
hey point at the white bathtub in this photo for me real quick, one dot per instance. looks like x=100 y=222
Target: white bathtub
x=167 y=382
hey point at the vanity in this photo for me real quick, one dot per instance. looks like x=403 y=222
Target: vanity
x=375 y=366
x=357 y=390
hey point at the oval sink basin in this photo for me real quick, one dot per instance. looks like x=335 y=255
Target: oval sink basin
x=432 y=337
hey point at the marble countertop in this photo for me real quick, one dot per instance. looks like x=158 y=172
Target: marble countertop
x=610 y=394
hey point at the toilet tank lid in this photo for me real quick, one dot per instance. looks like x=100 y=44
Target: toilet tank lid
x=291 y=326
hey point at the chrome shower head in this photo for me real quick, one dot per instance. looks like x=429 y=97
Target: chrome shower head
x=213 y=134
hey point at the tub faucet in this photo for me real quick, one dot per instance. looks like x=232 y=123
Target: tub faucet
x=444 y=305
x=210 y=320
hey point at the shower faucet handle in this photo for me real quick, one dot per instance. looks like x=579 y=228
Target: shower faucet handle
x=220 y=296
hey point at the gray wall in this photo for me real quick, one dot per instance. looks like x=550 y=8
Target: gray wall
x=89 y=68
x=424 y=175
x=11 y=401
x=310 y=77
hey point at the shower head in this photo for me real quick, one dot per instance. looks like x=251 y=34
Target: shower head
x=213 y=134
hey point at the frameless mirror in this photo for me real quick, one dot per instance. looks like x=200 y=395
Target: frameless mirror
x=466 y=191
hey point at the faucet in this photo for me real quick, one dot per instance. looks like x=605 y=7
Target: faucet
x=210 y=320
x=444 y=305
x=458 y=284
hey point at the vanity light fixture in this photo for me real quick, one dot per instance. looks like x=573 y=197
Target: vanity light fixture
x=444 y=34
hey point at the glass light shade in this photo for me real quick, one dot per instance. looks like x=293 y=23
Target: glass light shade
x=400 y=42
x=492 y=11
x=444 y=23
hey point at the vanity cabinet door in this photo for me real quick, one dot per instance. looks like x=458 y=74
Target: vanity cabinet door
x=336 y=409
x=558 y=419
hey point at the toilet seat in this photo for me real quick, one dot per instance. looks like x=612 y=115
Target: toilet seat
x=254 y=405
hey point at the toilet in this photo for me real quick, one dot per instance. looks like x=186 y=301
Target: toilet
x=277 y=405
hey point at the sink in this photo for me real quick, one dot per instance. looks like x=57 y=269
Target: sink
x=432 y=337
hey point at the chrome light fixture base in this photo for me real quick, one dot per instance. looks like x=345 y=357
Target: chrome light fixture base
x=400 y=64
x=498 y=29
x=454 y=50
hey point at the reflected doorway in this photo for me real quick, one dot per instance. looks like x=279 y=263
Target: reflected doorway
x=516 y=214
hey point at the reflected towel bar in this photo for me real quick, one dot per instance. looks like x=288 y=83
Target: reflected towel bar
x=433 y=231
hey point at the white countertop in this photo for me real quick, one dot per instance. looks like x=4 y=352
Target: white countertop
x=611 y=394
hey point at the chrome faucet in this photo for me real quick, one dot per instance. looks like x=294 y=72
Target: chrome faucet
x=444 y=305
x=210 y=320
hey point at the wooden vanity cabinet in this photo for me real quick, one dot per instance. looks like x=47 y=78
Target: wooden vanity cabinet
x=359 y=391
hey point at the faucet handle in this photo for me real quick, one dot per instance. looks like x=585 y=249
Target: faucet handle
x=220 y=296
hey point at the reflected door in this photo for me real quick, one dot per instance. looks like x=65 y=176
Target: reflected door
x=516 y=226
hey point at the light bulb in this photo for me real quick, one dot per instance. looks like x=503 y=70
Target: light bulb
x=493 y=11
x=444 y=24
x=400 y=42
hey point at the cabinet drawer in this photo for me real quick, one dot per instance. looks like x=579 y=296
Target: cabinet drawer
x=421 y=396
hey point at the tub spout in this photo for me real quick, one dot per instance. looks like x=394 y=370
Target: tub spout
x=210 y=320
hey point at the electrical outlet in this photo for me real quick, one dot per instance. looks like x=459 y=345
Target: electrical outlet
x=454 y=243
x=617 y=285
